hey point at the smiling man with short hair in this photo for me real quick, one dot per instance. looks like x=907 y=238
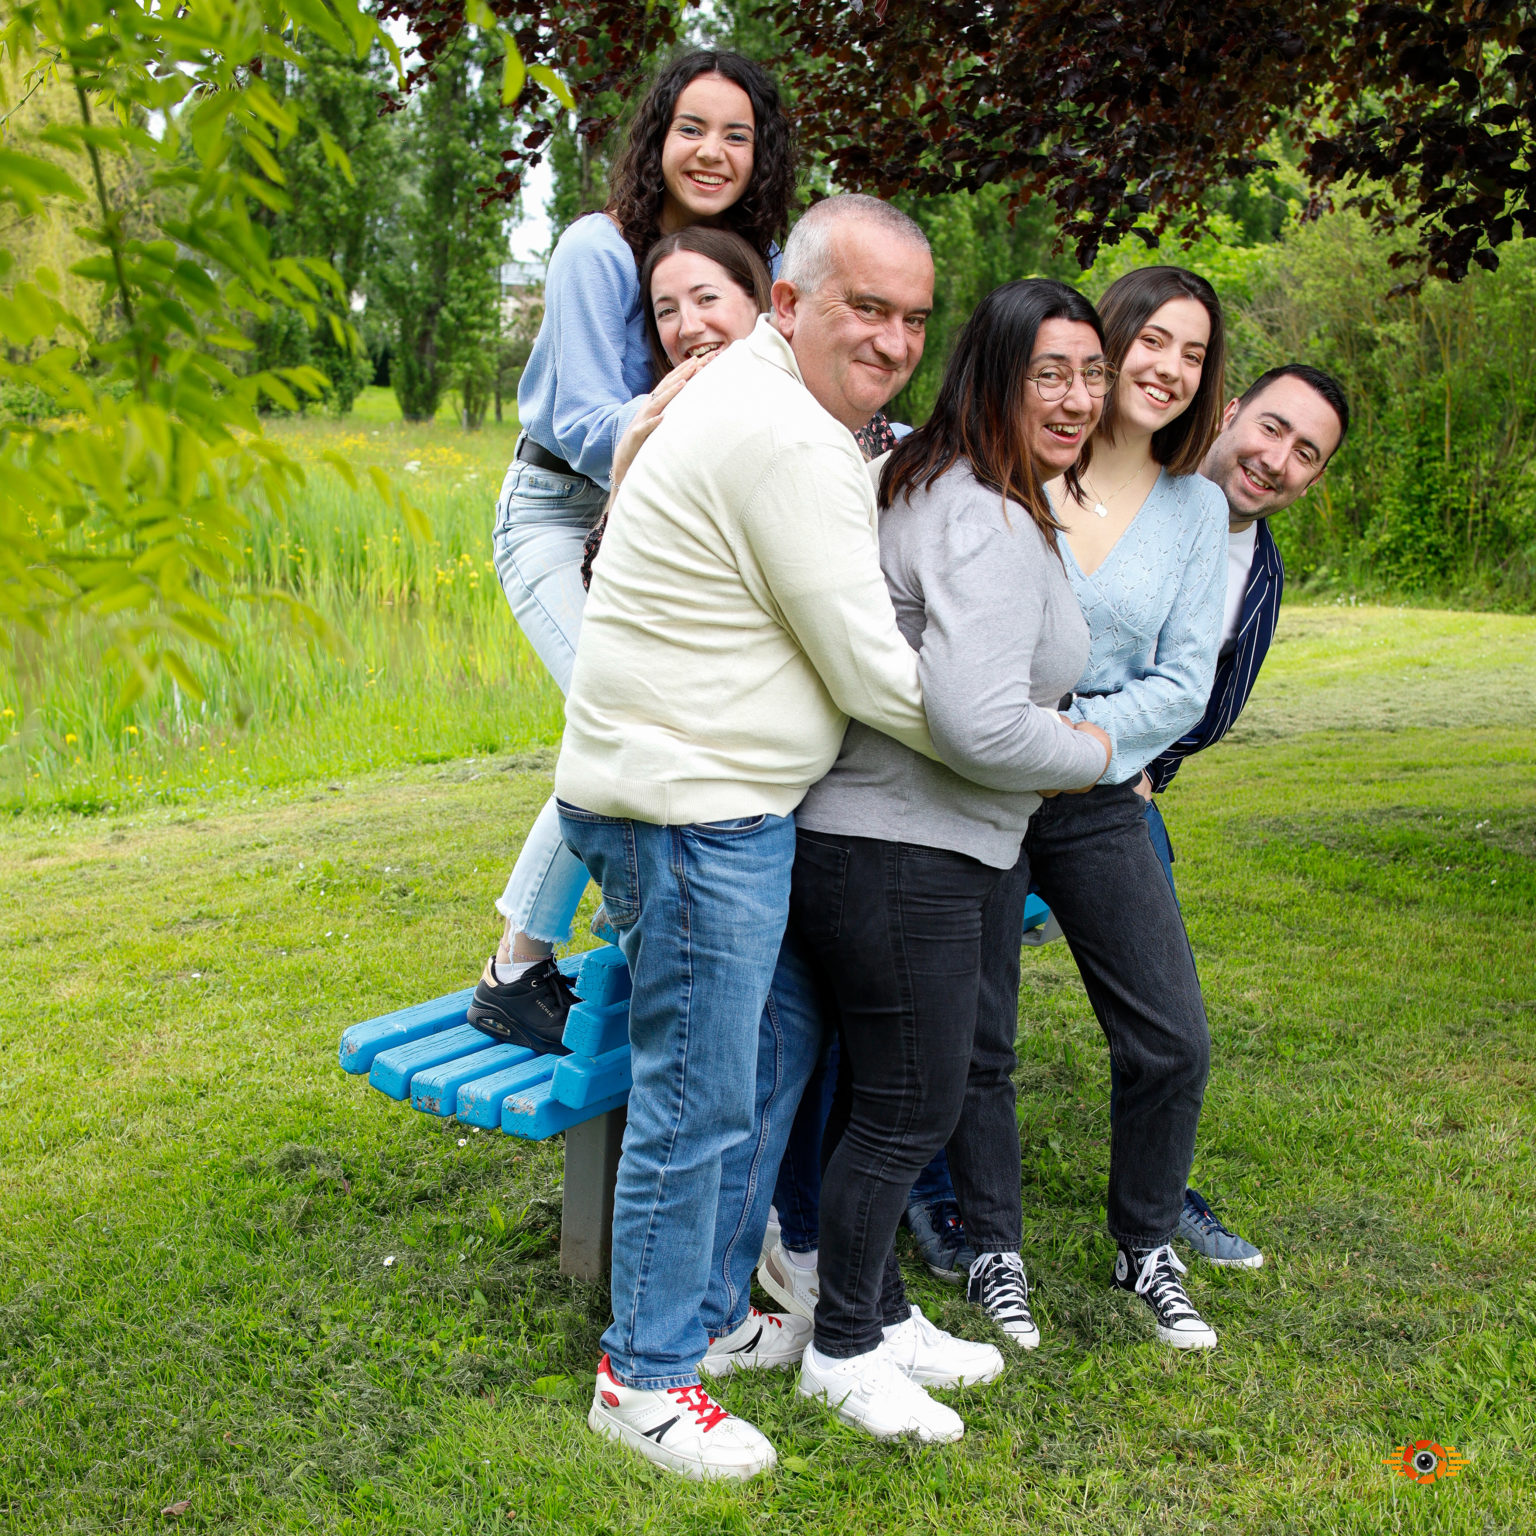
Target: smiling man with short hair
x=1274 y=445
x=737 y=619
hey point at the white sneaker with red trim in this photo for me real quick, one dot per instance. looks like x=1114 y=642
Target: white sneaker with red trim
x=764 y=1341
x=680 y=1428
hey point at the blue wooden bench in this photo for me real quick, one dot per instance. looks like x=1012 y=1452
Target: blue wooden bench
x=1040 y=927
x=429 y=1056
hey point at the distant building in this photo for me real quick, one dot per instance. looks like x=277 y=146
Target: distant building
x=522 y=289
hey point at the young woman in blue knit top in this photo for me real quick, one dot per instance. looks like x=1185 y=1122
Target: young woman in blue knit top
x=1144 y=545
x=708 y=145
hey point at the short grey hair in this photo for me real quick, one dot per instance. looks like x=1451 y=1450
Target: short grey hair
x=807 y=262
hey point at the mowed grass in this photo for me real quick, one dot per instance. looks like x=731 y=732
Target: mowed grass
x=231 y=1275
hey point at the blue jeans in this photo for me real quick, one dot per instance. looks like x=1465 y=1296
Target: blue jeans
x=541 y=520
x=700 y=912
x=1161 y=846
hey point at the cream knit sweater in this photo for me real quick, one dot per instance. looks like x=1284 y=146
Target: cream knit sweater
x=738 y=615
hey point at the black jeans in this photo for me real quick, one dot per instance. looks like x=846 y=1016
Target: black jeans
x=894 y=933
x=1093 y=862
x=984 y=1149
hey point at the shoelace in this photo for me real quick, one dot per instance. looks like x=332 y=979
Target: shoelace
x=1005 y=1290
x=700 y=1404
x=949 y=1222
x=1159 y=1274
x=1205 y=1218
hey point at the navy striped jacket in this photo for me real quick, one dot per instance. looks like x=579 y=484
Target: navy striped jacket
x=1237 y=670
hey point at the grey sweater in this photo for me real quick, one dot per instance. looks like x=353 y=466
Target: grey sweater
x=1000 y=638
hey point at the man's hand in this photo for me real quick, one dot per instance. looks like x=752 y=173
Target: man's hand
x=1144 y=787
x=648 y=417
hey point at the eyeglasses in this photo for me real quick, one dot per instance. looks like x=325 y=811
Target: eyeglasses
x=1054 y=380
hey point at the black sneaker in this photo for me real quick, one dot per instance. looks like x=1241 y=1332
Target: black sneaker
x=997 y=1285
x=1153 y=1274
x=529 y=1011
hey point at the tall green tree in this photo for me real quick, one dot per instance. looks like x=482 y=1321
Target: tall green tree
x=338 y=209
x=439 y=281
x=129 y=496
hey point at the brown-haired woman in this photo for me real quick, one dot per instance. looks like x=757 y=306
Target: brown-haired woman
x=704 y=288
x=1144 y=539
x=709 y=144
x=897 y=856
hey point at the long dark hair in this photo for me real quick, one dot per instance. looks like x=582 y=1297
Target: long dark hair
x=636 y=189
x=1128 y=303
x=742 y=265
x=979 y=413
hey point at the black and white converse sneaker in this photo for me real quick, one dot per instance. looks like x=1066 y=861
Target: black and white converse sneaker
x=530 y=1011
x=998 y=1286
x=1153 y=1274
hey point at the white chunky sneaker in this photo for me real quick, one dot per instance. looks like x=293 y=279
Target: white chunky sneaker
x=998 y=1286
x=932 y=1358
x=764 y=1341
x=795 y=1289
x=680 y=1428
x=770 y=1234
x=1153 y=1274
x=872 y=1394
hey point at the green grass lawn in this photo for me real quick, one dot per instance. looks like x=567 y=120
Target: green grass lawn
x=233 y=1276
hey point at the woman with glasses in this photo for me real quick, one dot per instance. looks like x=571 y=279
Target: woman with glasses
x=897 y=856
x=1144 y=545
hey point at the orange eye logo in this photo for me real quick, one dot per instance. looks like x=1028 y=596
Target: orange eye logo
x=1422 y=1461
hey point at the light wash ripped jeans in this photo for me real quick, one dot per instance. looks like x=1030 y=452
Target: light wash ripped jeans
x=542 y=519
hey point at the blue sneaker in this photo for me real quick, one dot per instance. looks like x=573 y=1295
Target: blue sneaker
x=1201 y=1228
x=941 y=1241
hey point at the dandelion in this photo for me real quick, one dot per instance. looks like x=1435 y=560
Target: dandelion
x=132 y=730
x=70 y=738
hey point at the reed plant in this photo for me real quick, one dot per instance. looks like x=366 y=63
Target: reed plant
x=417 y=657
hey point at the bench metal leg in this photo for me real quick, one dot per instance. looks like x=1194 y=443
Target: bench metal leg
x=586 y=1216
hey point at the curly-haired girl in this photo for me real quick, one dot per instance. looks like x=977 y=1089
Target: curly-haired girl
x=709 y=144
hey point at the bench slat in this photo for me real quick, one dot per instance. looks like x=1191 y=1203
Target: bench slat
x=363 y=1042
x=594 y=1029
x=580 y=1081
x=479 y=1101
x=603 y=977
x=534 y=1113
x=435 y=1091
x=392 y=1070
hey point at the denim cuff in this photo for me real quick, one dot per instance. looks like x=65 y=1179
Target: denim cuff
x=1144 y=1243
x=652 y=1383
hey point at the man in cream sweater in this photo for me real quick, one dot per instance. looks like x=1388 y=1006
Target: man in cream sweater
x=737 y=619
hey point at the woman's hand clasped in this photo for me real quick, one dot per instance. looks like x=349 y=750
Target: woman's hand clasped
x=1088 y=729
x=648 y=417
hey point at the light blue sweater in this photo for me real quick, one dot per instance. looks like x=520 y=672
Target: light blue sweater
x=1154 y=612
x=590 y=359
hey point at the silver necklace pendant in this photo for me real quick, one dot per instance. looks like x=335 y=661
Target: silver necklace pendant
x=1100 y=509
